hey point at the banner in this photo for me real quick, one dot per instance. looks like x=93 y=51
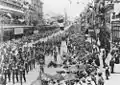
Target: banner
x=18 y=31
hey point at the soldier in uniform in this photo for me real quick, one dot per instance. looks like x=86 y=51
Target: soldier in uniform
x=5 y=74
x=13 y=73
x=26 y=65
x=20 y=70
x=9 y=72
x=22 y=73
x=16 y=72
x=29 y=64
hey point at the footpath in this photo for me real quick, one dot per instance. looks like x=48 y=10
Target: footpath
x=32 y=75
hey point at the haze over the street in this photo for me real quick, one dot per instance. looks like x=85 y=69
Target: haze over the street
x=59 y=6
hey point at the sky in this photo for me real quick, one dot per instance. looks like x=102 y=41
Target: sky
x=59 y=6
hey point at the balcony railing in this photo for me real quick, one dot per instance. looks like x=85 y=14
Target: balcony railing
x=13 y=2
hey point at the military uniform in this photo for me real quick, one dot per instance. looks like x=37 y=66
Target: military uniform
x=22 y=73
x=13 y=74
x=9 y=73
x=29 y=64
x=16 y=73
x=5 y=74
x=26 y=65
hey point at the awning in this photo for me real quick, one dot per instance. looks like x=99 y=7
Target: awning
x=8 y=9
x=16 y=26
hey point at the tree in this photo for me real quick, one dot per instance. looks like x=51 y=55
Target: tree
x=104 y=37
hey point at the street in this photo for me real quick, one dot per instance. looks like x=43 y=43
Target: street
x=114 y=78
x=33 y=75
x=59 y=42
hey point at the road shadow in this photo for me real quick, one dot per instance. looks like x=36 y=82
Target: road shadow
x=116 y=73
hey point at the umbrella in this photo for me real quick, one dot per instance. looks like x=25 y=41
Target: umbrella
x=70 y=76
x=58 y=77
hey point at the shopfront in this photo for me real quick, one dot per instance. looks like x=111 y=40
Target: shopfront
x=15 y=32
x=116 y=31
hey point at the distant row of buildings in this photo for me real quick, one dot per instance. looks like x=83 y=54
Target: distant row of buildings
x=92 y=16
x=20 y=11
x=17 y=15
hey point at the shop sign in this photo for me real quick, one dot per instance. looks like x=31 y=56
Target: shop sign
x=18 y=31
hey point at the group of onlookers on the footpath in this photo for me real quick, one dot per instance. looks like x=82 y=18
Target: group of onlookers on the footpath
x=93 y=72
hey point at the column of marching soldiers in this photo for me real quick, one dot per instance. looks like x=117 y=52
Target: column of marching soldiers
x=16 y=66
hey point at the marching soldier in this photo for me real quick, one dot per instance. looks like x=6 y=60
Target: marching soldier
x=22 y=73
x=9 y=72
x=29 y=64
x=16 y=73
x=13 y=73
x=5 y=74
x=20 y=69
x=26 y=65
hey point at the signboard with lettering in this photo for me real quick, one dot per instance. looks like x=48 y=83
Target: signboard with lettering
x=116 y=30
x=18 y=31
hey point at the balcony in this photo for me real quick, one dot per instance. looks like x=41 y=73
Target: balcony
x=12 y=2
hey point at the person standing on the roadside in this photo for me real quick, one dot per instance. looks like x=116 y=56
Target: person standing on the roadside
x=104 y=57
x=55 y=56
x=107 y=73
x=112 y=63
x=100 y=79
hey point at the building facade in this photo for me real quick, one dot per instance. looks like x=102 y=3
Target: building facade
x=11 y=12
x=38 y=14
x=12 y=19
